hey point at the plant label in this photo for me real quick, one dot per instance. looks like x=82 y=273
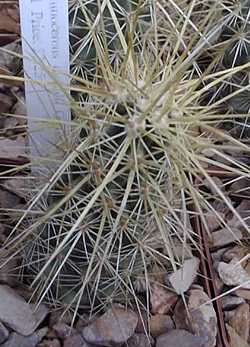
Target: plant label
x=45 y=44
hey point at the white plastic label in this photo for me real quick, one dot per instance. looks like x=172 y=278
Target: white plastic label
x=45 y=43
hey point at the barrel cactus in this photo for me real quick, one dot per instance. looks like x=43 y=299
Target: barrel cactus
x=124 y=194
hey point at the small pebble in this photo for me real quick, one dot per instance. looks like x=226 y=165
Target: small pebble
x=17 y=340
x=115 y=326
x=180 y=338
x=4 y=333
x=160 y=324
x=230 y=302
x=139 y=340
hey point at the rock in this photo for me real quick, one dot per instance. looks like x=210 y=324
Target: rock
x=18 y=314
x=203 y=319
x=181 y=250
x=228 y=315
x=116 y=326
x=7 y=199
x=200 y=319
x=218 y=283
x=213 y=222
x=4 y=333
x=234 y=339
x=17 y=340
x=2 y=231
x=9 y=61
x=244 y=211
x=180 y=338
x=139 y=340
x=182 y=279
x=218 y=255
x=224 y=237
x=50 y=343
x=233 y=274
x=9 y=271
x=10 y=21
x=19 y=109
x=60 y=316
x=160 y=324
x=180 y=316
x=247 y=266
x=15 y=123
x=75 y=340
x=162 y=300
x=24 y=292
x=51 y=334
x=13 y=149
x=82 y=321
x=243 y=293
x=17 y=185
x=241 y=187
x=229 y=302
x=5 y=103
x=237 y=252
x=39 y=313
x=217 y=182
x=142 y=325
x=62 y=330
x=240 y=321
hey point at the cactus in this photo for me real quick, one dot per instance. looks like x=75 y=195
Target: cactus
x=236 y=53
x=112 y=212
x=88 y=29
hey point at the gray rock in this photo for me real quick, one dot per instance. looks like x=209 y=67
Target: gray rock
x=203 y=317
x=243 y=210
x=241 y=187
x=236 y=252
x=160 y=324
x=223 y=237
x=5 y=105
x=9 y=272
x=178 y=337
x=7 y=60
x=140 y=340
x=182 y=279
x=75 y=340
x=162 y=300
x=62 y=330
x=116 y=326
x=7 y=199
x=57 y=316
x=214 y=220
x=218 y=255
x=229 y=302
x=17 y=340
x=50 y=343
x=17 y=185
x=40 y=313
x=17 y=314
x=181 y=250
x=233 y=274
x=180 y=316
x=20 y=108
x=4 y=333
x=228 y=315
